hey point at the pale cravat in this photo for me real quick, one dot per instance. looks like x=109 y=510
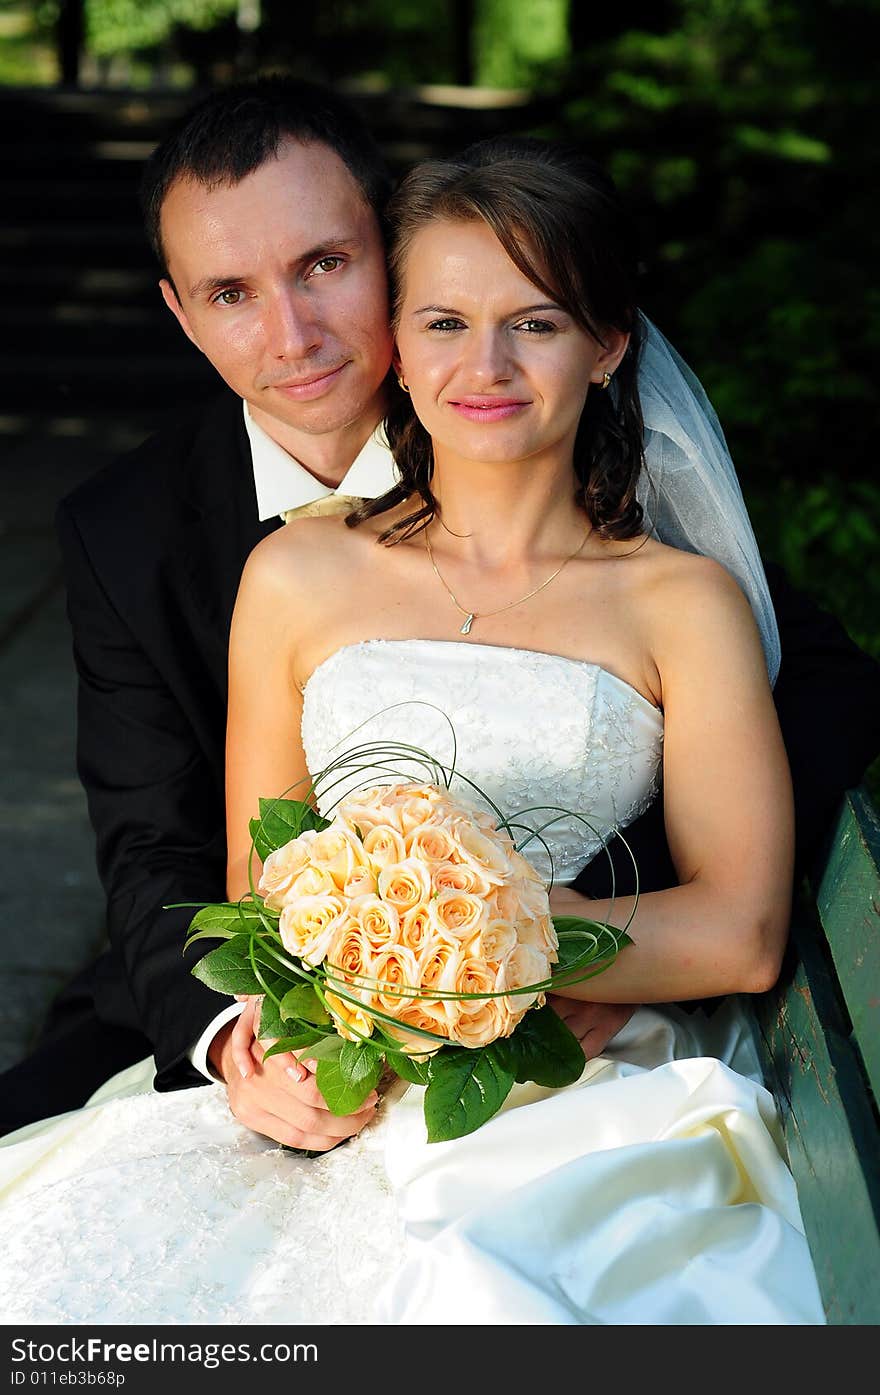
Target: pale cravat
x=318 y=508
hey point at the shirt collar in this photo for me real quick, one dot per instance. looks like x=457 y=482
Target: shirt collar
x=283 y=483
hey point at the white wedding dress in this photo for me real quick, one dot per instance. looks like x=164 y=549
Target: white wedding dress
x=653 y=1191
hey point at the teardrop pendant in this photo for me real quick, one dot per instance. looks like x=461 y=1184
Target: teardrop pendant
x=466 y=627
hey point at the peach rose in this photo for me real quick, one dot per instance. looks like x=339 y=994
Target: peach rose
x=485 y=1024
x=311 y=881
x=351 y=1023
x=458 y=914
x=498 y=938
x=540 y=935
x=416 y=928
x=479 y=850
x=458 y=876
x=430 y=843
x=405 y=884
x=384 y=845
x=308 y=924
x=362 y=882
x=281 y=866
x=396 y=976
x=524 y=966
x=338 y=852
x=427 y=1017
x=350 y=956
x=377 y=919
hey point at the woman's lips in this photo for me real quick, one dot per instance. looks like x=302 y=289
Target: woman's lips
x=488 y=408
x=312 y=387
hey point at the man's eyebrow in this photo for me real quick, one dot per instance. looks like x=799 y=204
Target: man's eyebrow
x=208 y=285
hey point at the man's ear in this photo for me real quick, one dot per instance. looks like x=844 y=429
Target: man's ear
x=169 y=295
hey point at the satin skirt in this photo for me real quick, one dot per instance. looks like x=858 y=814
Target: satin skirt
x=654 y=1191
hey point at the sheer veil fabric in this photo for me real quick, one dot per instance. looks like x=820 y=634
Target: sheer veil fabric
x=689 y=487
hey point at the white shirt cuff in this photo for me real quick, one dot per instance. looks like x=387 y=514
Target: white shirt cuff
x=199 y=1053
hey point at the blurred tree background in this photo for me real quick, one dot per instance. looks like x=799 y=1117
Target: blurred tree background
x=742 y=132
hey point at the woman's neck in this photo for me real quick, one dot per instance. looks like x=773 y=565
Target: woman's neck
x=499 y=514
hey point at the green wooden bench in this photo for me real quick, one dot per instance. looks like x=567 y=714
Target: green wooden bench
x=819 y=1037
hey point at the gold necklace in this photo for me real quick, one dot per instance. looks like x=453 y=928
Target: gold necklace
x=472 y=615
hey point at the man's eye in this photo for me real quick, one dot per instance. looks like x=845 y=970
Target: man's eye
x=231 y=296
x=325 y=265
x=445 y=326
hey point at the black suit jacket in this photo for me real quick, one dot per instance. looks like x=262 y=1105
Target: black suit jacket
x=153 y=549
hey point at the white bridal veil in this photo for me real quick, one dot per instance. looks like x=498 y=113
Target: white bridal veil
x=689 y=489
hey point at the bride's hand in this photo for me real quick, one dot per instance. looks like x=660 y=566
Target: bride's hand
x=594 y=1024
x=279 y=1097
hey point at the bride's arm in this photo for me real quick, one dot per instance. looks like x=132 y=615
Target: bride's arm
x=264 y=755
x=727 y=806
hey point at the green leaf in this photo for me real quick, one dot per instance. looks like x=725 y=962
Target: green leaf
x=410 y=1068
x=586 y=947
x=326 y=1048
x=226 y=920
x=346 y=1081
x=465 y=1088
x=271 y=1022
x=227 y=969
x=280 y=821
x=542 y=1049
x=303 y=1002
x=298 y=1041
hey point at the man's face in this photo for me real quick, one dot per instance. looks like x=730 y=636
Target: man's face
x=283 y=287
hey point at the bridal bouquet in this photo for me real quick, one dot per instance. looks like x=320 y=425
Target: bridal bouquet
x=406 y=931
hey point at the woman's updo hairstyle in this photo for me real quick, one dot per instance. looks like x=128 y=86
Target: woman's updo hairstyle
x=557 y=216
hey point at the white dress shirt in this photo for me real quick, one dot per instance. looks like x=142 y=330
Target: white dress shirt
x=282 y=483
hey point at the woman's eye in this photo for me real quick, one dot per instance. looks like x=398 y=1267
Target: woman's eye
x=537 y=326
x=232 y=296
x=445 y=326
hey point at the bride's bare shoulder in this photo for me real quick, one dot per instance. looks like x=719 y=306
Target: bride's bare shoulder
x=303 y=556
x=690 y=601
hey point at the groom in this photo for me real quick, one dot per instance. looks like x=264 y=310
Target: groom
x=264 y=210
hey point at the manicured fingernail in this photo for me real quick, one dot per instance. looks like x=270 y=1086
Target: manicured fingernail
x=296 y=1073
x=243 y=1072
x=312 y=1065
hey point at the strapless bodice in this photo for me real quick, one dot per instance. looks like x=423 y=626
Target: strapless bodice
x=533 y=731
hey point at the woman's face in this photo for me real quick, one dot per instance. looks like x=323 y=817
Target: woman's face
x=496 y=371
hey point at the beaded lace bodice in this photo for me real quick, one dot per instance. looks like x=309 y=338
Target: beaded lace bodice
x=530 y=729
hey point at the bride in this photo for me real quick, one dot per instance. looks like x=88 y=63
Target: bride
x=512 y=587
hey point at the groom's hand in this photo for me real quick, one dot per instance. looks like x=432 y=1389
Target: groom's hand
x=279 y=1097
x=594 y=1024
